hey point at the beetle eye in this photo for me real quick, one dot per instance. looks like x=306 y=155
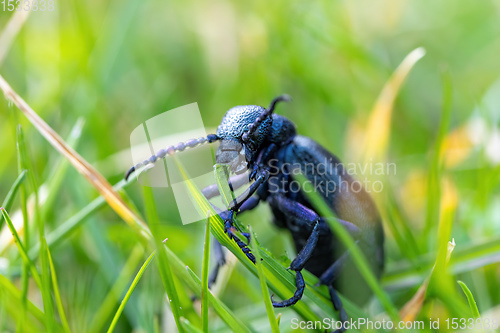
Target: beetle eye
x=250 y=145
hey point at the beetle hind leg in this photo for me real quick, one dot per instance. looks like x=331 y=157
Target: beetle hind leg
x=297 y=265
x=301 y=285
x=337 y=305
x=220 y=260
x=310 y=218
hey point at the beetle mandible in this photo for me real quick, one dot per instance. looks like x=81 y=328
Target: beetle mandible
x=255 y=138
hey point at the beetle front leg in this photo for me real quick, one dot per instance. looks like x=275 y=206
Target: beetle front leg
x=220 y=258
x=244 y=202
x=262 y=160
x=229 y=229
x=228 y=217
x=263 y=176
x=234 y=182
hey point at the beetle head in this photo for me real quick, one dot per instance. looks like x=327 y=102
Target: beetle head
x=234 y=150
x=242 y=132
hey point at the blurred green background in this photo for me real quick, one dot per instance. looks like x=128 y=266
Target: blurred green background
x=115 y=64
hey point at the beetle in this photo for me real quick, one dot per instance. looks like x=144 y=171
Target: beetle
x=267 y=144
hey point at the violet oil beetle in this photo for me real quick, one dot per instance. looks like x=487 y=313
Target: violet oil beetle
x=256 y=139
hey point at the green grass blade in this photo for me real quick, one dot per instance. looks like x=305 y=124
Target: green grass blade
x=222 y=177
x=129 y=292
x=7 y=203
x=108 y=304
x=189 y=327
x=402 y=233
x=22 y=250
x=441 y=284
x=263 y=285
x=204 y=277
x=470 y=299
x=63 y=231
x=168 y=283
x=163 y=260
x=46 y=290
x=351 y=246
x=465 y=259
x=22 y=167
x=26 y=164
x=193 y=282
x=42 y=283
x=13 y=298
x=222 y=310
x=57 y=295
x=59 y=170
x=433 y=180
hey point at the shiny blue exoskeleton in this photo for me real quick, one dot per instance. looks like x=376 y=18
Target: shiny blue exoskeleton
x=254 y=138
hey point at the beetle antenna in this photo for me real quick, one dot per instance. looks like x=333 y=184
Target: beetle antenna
x=171 y=150
x=264 y=115
x=282 y=98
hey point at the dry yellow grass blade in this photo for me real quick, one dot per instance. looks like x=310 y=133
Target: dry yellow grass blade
x=376 y=135
x=79 y=163
x=10 y=32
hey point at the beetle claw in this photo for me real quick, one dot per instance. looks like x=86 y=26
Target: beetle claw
x=297 y=296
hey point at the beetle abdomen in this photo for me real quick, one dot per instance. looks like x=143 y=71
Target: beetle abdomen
x=345 y=196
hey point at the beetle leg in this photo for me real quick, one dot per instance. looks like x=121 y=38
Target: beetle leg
x=330 y=275
x=297 y=265
x=235 y=182
x=263 y=158
x=262 y=177
x=299 y=262
x=220 y=260
x=248 y=204
x=337 y=305
x=220 y=257
x=350 y=227
x=243 y=202
x=243 y=247
x=237 y=204
x=229 y=228
x=302 y=214
x=301 y=285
